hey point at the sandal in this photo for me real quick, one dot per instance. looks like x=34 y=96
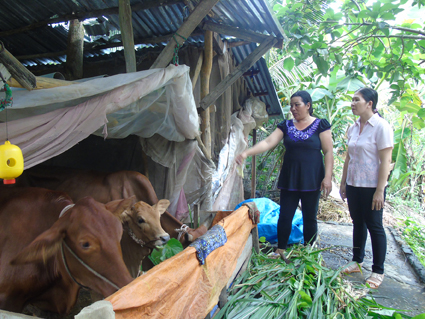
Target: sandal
x=278 y=253
x=375 y=280
x=352 y=267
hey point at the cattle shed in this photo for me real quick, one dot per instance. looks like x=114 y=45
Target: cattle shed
x=166 y=88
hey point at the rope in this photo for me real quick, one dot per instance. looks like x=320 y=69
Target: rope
x=7 y=101
x=94 y=272
x=177 y=48
x=182 y=230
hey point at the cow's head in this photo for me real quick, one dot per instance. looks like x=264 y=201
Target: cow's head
x=144 y=221
x=93 y=233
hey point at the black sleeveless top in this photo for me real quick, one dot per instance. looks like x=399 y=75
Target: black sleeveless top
x=303 y=168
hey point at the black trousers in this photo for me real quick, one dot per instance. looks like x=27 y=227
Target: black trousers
x=288 y=205
x=364 y=219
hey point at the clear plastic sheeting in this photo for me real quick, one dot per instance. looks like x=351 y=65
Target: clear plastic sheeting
x=227 y=180
x=46 y=123
x=198 y=189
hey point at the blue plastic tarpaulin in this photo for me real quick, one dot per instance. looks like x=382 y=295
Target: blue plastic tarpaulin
x=268 y=221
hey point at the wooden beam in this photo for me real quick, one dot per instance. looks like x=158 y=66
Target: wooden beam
x=126 y=27
x=143 y=5
x=238 y=72
x=251 y=73
x=260 y=94
x=74 y=51
x=239 y=33
x=185 y=30
x=24 y=77
x=219 y=46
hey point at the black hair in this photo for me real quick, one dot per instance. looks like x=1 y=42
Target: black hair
x=306 y=97
x=369 y=95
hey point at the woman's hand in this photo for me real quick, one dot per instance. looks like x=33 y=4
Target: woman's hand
x=326 y=186
x=342 y=191
x=241 y=158
x=378 y=200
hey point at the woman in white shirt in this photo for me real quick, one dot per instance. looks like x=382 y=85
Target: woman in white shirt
x=364 y=178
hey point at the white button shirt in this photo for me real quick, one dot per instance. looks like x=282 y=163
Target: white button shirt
x=364 y=147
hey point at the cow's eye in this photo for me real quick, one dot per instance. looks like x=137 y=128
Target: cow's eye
x=141 y=220
x=85 y=245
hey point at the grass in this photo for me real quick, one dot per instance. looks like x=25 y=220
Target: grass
x=304 y=288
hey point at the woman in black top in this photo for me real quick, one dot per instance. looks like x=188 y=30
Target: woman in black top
x=303 y=175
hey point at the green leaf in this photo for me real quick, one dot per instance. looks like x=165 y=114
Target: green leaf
x=350 y=84
x=318 y=94
x=421 y=113
x=288 y=63
x=363 y=14
x=398 y=137
x=400 y=159
x=322 y=65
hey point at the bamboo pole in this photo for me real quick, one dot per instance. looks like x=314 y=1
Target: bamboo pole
x=205 y=89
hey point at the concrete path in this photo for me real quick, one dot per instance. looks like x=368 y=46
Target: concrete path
x=403 y=286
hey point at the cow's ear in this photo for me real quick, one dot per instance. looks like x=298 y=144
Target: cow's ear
x=121 y=207
x=44 y=246
x=161 y=206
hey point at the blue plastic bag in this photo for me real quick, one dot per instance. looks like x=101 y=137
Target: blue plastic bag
x=268 y=221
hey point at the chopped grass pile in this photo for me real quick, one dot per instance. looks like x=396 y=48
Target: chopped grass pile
x=304 y=288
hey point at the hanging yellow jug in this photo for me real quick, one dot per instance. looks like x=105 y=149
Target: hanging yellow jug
x=11 y=162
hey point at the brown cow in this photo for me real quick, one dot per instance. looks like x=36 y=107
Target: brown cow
x=105 y=187
x=48 y=252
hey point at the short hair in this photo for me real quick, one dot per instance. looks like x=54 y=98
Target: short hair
x=306 y=97
x=369 y=95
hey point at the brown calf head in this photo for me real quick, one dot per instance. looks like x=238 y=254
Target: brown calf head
x=93 y=233
x=144 y=221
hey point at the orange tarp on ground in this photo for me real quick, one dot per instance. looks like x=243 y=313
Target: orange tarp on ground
x=180 y=287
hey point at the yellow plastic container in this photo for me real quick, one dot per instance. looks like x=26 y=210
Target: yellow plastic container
x=11 y=162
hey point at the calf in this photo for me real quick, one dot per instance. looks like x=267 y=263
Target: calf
x=105 y=187
x=50 y=247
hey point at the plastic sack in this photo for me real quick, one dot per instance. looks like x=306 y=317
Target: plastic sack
x=98 y=310
x=268 y=221
x=259 y=112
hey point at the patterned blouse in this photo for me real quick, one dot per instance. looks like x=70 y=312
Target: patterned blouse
x=303 y=168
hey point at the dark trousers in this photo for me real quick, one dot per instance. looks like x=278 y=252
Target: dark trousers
x=288 y=205
x=364 y=219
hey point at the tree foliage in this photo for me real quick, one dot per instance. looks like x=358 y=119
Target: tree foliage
x=342 y=46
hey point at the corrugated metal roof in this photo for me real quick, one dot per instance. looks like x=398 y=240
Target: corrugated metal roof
x=50 y=41
x=260 y=84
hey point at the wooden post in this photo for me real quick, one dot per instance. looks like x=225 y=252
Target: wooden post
x=16 y=69
x=205 y=89
x=254 y=231
x=185 y=30
x=74 y=51
x=253 y=167
x=127 y=35
x=249 y=61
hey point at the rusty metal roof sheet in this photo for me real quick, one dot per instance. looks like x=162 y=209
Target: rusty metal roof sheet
x=47 y=44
